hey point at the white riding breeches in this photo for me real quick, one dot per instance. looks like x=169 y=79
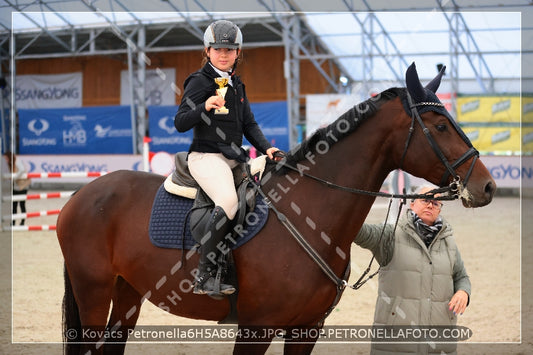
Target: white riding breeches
x=213 y=173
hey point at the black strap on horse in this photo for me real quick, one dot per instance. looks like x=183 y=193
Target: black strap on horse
x=450 y=192
x=361 y=281
x=450 y=168
x=453 y=188
x=341 y=283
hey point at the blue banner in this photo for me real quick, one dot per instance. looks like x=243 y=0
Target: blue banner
x=88 y=130
x=165 y=137
x=5 y=135
x=274 y=122
x=271 y=117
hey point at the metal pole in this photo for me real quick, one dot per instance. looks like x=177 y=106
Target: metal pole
x=2 y=117
x=133 y=113
x=141 y=94
x=292 y=75
x=13 y=134
x=2 y=186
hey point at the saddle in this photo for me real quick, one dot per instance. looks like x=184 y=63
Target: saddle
x=181 y=183
x=181 y=194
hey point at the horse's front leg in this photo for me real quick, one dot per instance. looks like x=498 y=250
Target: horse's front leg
x=301 y=341
x=252 y=340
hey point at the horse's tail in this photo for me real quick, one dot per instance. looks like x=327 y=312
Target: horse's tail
x=72 y=332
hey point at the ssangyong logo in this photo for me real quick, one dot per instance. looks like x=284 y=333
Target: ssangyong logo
x=165 y=126
x=38 y=126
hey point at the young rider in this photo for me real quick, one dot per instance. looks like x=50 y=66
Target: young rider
x=219 y=120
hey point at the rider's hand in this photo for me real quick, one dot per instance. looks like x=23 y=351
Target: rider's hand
x=276 y=157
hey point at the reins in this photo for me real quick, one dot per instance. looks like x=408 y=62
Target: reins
x=450 y=192
x=361 y=281
x=454 y=188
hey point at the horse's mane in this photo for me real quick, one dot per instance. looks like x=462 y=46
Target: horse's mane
x=342 y=126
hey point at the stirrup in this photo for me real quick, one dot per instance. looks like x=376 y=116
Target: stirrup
x=216 y=288
x=224 y=290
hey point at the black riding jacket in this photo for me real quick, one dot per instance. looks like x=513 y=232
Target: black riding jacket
x=218 y=133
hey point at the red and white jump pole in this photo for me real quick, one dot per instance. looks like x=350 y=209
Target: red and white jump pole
x=18 y=216
x=49 y=195
x=42 y=196
x=43 y=227
x=72 y=174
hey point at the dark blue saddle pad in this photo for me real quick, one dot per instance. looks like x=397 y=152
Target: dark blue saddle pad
x=170 y=229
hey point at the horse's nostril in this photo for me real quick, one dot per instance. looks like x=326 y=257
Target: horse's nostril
x=490 y=188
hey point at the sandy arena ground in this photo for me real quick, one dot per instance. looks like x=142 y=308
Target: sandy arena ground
x=489 y=238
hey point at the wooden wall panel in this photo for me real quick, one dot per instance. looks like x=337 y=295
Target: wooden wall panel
x=261 y=70
x=101 y=75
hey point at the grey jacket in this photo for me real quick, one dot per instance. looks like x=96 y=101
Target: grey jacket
x=415 y=283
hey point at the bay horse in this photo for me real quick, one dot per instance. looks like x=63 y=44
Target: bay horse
x=109 y=259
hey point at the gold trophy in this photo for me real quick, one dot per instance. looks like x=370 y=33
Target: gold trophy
x=221 y=91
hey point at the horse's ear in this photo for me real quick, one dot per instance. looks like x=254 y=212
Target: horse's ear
x=415 y=88
x=434 y=84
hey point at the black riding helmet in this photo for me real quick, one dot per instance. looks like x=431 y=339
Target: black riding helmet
x=223 y=34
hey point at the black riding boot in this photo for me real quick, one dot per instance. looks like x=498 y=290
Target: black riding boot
x=218 y=227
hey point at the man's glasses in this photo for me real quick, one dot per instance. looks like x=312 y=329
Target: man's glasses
x=434 y=203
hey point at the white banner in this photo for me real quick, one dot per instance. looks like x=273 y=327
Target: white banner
x=76 y=163
x=158 y=89
x=49 y=91
x=322 y=109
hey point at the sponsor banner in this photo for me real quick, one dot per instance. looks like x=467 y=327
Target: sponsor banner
x=527 y=139
x=271 y=117
x=491 y=139
x=158 y=87
x=5 y=134
x=91 y=130
x=527 y=110
x=79 y=163
x=488 y=109
x=507 y=171
x=493 y=123
x=48 y=91
x=510 y=171
x=164 y=136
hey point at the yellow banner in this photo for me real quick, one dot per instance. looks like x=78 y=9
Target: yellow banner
x=527 y=140
x=527 y=109
x=503 y=140
x=488 y=109
x=498 y=124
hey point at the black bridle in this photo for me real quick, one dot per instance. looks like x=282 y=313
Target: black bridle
x=450 y=168
x=451 y=191
x=454 y=190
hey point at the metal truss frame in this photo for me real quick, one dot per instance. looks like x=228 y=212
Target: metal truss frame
x=286 y=26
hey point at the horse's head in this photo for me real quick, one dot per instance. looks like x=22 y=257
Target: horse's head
x=439 y=149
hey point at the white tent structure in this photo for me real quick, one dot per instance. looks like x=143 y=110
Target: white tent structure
x=482 y=42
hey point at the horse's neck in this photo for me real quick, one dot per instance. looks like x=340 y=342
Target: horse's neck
x=357 y=162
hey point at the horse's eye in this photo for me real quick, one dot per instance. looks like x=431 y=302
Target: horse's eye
x=441 y=127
